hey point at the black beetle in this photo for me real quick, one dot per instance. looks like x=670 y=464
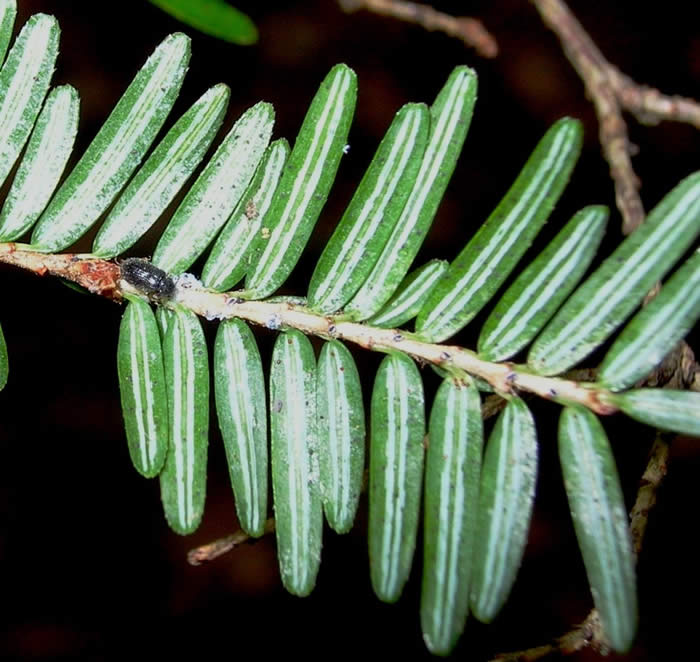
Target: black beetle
x=147 y=278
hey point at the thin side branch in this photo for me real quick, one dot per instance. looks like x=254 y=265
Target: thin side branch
x=649 y=105
x=222 y=546
x=651 y=480
x=612 y=92
x=587 y=634
x=529 y=655
x=469 y=30
x=592 y=67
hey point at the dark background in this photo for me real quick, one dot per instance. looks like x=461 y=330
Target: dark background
x=88 y=567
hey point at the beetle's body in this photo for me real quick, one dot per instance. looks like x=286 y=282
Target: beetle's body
x=147 y=278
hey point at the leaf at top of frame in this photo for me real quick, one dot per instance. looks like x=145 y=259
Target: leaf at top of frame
x=655 y=330
x=374 y=210
x=540 y=289
x=43 y=162
x=305 y=183
x=294 y=459
x=184 y=476
x=213 y=17
x=663 y=408
x=214 y=195
x=239 y=387
x=142 y=387
x=608 y=296
x=452 y=468
x=450 y=116
x=600 y=520
x=163 y=174
x=492 y=253
x=395 y=473
x=229 y=258
x=24 y=81
x=8 y=12
x=117 y=149
x=341 y=434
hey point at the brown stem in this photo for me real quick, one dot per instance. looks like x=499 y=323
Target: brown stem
x=94 y=274
x=471 y=31
x=219 y=547
x=504 y=377
x=649 y=105
x=651 y=480
x=103 y=277
x=529 y=655
x=592 y=67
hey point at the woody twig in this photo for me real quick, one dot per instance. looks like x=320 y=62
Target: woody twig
x=469 y=30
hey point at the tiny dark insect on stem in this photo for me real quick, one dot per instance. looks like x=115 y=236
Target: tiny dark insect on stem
x=147 y=278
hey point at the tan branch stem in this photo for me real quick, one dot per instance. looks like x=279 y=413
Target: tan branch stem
x=469 y=30
x=102 y=277
x=94 y=274
x=504 y=377
x=222 y=546
x=651 y=480
x=592 y=67
x=649 y=105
